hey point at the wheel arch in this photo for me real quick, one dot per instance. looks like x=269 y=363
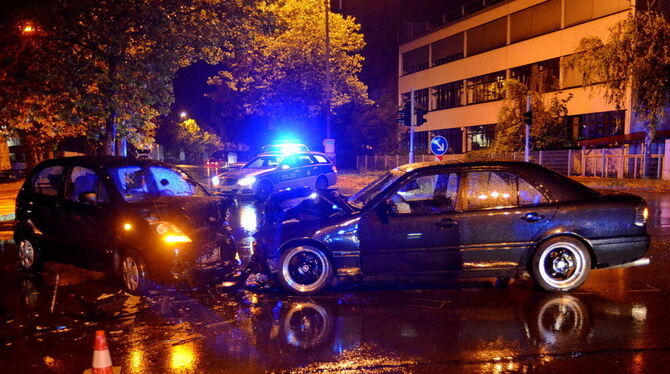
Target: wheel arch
x=528 y=259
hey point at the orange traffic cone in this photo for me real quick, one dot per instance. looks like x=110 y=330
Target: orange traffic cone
x=102 y=361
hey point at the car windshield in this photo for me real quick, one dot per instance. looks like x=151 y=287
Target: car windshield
x=373 y=189
x=138 y=183
x=263 y=162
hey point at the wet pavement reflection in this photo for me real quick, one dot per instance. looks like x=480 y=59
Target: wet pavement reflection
x=615 y=323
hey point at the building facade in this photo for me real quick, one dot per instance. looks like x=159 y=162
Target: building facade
x=457 y=71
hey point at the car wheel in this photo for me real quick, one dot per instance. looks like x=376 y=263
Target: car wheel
x=30 y=256
x=304 y=270
x=264 y=189
x=133 y=273
x=561 y=264
x=321 y=183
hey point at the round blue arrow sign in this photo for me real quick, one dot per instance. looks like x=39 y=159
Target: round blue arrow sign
x=439 y=145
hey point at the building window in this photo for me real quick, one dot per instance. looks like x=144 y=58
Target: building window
x=541 y=76
x=415 y=60
x=537 y=20
x=487 y=36
x=485 y=88
x=447 y=96
x=447 y=50
x=596 y=125
x=420 y=98
x=578 y=11
x=454 y=139
x=479 y=137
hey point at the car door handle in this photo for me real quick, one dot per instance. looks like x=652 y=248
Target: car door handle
x=446 y=223
x=532 y=217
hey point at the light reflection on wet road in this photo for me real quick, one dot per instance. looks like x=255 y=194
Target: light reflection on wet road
x=617 y=322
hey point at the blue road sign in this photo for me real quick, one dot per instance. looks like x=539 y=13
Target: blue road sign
x=439 y=145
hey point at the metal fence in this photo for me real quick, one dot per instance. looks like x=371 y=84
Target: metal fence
x=606 y=162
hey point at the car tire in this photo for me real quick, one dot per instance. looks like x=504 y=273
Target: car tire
x=561 y=264
x=133 y=274
x=304 y=270
x=264 y=189
x=321 y=183
x=30 y=256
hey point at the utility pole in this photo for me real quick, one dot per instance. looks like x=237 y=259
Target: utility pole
x=327 y=69
x=411 y=127
x=526 y=153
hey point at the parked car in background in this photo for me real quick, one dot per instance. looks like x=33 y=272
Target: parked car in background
x=272 y=172
x=435 y=220
x=144 y=221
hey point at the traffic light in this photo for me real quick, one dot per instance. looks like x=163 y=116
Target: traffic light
x=420 y=112
x=405 y=115
x=528 y=117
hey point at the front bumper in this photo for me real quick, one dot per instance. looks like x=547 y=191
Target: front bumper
x=616 y=251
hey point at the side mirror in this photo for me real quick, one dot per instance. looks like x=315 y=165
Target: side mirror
x=88 y=197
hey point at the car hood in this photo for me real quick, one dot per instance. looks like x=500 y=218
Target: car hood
x=242 y=173
x=191 y=214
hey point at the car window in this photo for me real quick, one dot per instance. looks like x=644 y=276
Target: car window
x=83 y=180
x=139 y=183
x=264 y=162
x=295 y=161
x=427 y=194
x=48 y=181
x=321 y=160
x=491 y=189
x=529 y=195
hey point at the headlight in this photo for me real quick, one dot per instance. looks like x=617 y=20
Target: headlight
x=216 y=181
x=246 y=181
x=170 y=233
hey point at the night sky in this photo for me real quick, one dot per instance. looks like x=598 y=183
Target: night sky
x=382 y=23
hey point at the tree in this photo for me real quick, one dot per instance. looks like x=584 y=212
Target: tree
x=635 y=61
x=102 y=67
x=374 y=126
x=281 y=72
x=195 y=141
x=548 y=128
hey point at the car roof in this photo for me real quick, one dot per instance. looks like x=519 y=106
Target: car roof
x=279 y=154
x=101 y=161
x=560 y=187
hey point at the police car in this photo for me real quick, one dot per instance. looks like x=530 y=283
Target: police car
x=270 y=172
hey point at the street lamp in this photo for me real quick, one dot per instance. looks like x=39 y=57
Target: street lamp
x=182 y=115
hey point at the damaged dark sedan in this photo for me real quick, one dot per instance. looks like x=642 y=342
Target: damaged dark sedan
x=437 y=220
x=144 y=221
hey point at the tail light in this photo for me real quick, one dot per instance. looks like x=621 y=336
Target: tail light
x=641 y=215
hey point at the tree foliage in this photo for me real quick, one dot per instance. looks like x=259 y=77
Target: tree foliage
x=547 y=130
x=635 y=59
x=281 y=72
x=191 y=138
x=93 y=66
x=374 y=126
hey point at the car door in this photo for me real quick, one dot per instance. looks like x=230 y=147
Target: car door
x=90 y=217
x=502 y=214
x=414 y=231
x=42 y=209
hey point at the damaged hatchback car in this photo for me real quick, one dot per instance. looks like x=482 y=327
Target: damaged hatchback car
x=436 y=220
x=144 y=221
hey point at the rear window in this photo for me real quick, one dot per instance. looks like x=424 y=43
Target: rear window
x=320 y=159
x=48 y=181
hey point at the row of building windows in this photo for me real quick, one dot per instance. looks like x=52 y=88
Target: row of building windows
x=578 y=127
x=525 y=24
x=542 y=76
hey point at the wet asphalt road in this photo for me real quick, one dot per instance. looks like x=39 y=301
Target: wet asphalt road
x=617 y=322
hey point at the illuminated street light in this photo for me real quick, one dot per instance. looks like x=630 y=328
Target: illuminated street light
x=28 y=29
x=182 y=115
